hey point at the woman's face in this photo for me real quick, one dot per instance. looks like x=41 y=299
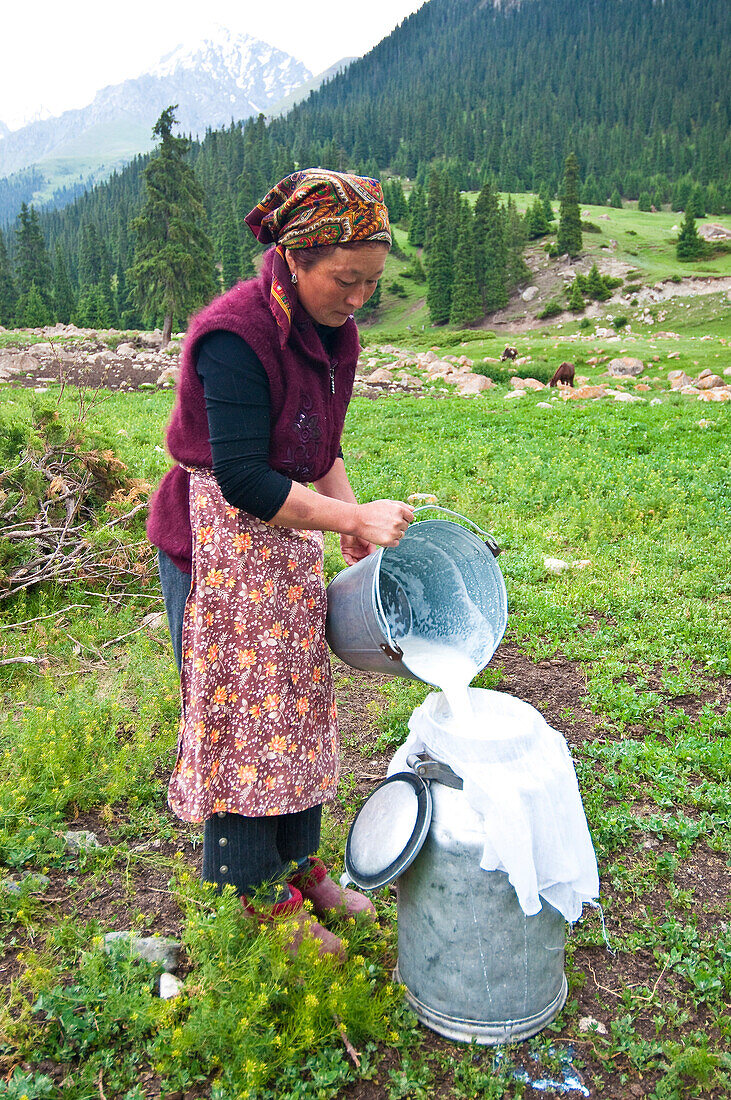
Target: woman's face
x=338 y=284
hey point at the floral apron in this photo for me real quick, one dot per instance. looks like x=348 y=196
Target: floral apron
x=258 y=731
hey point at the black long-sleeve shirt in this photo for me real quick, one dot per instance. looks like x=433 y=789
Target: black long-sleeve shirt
x=238 y=404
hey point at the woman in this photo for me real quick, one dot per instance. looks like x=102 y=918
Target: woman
x=266 y=376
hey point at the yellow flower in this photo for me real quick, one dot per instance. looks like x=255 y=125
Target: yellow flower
x=311 y=1000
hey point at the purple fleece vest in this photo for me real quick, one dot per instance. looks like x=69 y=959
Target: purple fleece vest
x=307 y=418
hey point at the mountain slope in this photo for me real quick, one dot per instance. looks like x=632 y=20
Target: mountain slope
x=223 y=77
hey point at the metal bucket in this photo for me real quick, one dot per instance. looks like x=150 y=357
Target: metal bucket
x=425 y=584
x=474 y=967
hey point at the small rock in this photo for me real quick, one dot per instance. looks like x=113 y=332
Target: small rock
x=656 y=401
x=529 y=293
x=705 y=423
x=154 y=620
x=533 y=384
x=515 y=393
x=158 y=950
x=168 y=376
x=544 y=405
x=126 y=348
x=381 y=375
x=727 y=372
x=170 y=986
x=474 y=384
x=588 y=1023
x=708 y=381
x=723 y=394
x=625 y=367
x=556 y=565
x=80 y=840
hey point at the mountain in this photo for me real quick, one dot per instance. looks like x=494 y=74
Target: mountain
x=223 y=77
x=289 y=101
x=4 y=131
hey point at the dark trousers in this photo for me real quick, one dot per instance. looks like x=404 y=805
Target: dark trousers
x=246 y=852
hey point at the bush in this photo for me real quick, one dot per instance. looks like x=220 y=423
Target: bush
x=591 y=227
x=503 y=372
x=620 y=321
x=551 y=309
x=584 y=323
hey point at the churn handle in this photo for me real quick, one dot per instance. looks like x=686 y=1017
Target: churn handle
x=489 y=539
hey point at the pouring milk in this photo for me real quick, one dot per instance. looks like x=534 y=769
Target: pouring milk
x=447 y=650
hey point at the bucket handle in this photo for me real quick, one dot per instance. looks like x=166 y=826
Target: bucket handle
x=490 y=540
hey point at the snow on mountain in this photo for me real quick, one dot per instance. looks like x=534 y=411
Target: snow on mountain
x=220 y=77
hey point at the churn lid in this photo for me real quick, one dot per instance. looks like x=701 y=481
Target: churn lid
x=388 y=831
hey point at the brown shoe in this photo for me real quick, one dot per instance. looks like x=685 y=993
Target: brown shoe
x=298 y=923
x=326 y=896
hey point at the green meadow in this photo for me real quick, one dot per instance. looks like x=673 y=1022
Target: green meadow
x=628 y=650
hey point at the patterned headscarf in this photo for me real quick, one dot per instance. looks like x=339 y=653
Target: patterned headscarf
x=315 y=207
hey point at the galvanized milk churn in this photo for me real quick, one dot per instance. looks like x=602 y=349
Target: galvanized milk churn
x=474 y=967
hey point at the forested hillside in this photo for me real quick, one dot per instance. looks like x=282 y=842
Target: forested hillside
x=637 y=89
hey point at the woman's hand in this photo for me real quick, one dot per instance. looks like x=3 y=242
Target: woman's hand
x=382 y=522
x=354 y=549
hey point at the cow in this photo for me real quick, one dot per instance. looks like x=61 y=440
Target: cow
x=509 y=353
x=564 y=376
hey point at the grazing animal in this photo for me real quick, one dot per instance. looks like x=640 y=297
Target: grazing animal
x=564 y=375
x=509 y=353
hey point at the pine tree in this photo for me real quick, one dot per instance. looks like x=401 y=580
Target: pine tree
x=689 y=246
x=697 y=201
x=417 y=216
x=32 y=310
x=616 y=200
x=514 y=236
x=535 y=221
x=465 y=308
x=64 y=303
x=490 y=249
x=596 y=288
x=32 y=262
x=8 y=295
x=576 y=299
x=644 y=203
x=439 y=270
x=569 y=218
x=172 y=271
x=546 y=201
x=230 y=249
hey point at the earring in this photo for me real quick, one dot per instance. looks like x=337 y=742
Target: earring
x=294 y=278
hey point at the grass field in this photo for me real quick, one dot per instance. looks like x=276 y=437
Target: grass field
x=628 y=654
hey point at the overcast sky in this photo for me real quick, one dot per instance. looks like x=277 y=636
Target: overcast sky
x=55 y=56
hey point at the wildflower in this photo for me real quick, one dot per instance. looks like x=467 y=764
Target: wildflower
x=311 y=1000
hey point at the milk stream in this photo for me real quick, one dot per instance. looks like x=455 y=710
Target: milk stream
x=444 y=636
x=447 y=667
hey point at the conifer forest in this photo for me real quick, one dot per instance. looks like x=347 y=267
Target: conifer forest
x=462 y=96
